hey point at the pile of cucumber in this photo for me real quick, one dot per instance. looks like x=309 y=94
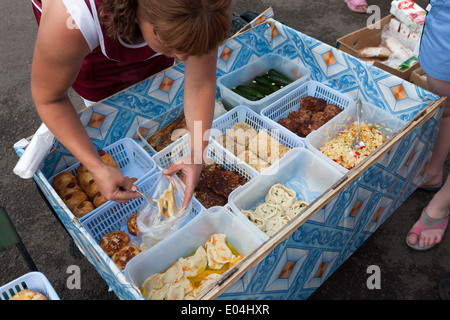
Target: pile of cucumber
x=263 y=85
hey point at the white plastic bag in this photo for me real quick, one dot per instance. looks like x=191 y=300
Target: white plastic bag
x=154 y=228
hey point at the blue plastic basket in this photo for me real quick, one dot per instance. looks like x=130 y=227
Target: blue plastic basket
x=115 y=215
x=132 y=159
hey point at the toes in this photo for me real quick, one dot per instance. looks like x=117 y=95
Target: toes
x=412 y=238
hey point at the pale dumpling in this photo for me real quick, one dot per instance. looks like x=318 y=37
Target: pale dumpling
x=195 y=264
x=217 y=251
x=173 y=274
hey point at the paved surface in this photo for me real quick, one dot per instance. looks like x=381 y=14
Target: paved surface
x=405 y=274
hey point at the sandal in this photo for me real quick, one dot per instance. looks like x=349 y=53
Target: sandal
x=359 y=6
x=426 y=223
x=434 y=188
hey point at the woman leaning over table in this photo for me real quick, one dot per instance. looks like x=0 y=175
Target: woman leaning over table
x=100 y=47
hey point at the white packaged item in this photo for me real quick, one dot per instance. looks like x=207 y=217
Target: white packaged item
x=35 y=152
x=409 y=13
x=407 y=36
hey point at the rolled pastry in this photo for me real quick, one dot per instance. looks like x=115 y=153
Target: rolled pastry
x=268 y=210
x=279 y=194
x=259 y=222
x=296 y=208
x=274 y=224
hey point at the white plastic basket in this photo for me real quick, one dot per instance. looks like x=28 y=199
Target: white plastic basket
x=35 y=281
x=215 y=152
x=256 y=68
x=300 y=170
x=132 y=159
x=291 y=102
x=115 y=215
x=259 y=123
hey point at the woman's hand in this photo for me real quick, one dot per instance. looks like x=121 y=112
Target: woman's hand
x=191 y=175
x=113 y=185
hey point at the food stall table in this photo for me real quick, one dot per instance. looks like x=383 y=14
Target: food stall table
x=298 y=259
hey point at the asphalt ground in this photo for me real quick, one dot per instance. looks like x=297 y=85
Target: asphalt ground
x=405 y=273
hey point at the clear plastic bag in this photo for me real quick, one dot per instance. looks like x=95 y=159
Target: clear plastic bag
x=152 y=224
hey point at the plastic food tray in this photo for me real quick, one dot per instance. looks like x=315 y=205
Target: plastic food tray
x=132 y=159
x=371 y=114
x=300 y=169
x=187 y=239
x=291 y=102
x=35 y=281
x=115 y=215
x=258 y=67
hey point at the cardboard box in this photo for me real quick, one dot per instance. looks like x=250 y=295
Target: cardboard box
x=419 y=78
x=371 y=37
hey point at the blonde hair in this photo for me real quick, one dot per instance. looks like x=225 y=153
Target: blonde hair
x=191 y=27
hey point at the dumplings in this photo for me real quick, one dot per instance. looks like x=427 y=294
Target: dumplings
x=188 y=276
x=280 y=207
x=167 y=205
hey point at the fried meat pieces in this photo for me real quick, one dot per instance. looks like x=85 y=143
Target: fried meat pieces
x=312 y=114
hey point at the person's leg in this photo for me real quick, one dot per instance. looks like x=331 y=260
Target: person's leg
x=441 y=148
x=439 y=206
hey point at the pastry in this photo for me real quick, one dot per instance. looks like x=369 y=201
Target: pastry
x=253 y=160
x=132 y=225
x=114 y=241
x=99 y=200
x=73 y=199
x=62 y=180
x=124 y=255
x=71 y=187
x=27 y=294
x=83 y=209
x=108 y=159
x=279 y=194
x=167 y=205
x=241 y=133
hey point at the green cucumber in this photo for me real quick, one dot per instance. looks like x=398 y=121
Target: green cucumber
x=265 y=90
x=250 y=91
x=245 y=93
x=278 y=78
x=267 y=82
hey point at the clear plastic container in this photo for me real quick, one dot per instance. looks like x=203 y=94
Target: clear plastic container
x=300 y=170
x=186 y=240
x=291 y=102
x=247 y=73
x=371 y=114
x=35 y=281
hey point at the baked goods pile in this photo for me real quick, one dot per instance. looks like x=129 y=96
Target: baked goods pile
x=280 y=207
x=311 y=115
x=216 y=184
x=188 y=276
x=256 y=148
x=80 y=193
x=170 y=133
x=117 y=246
x=27 y=294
